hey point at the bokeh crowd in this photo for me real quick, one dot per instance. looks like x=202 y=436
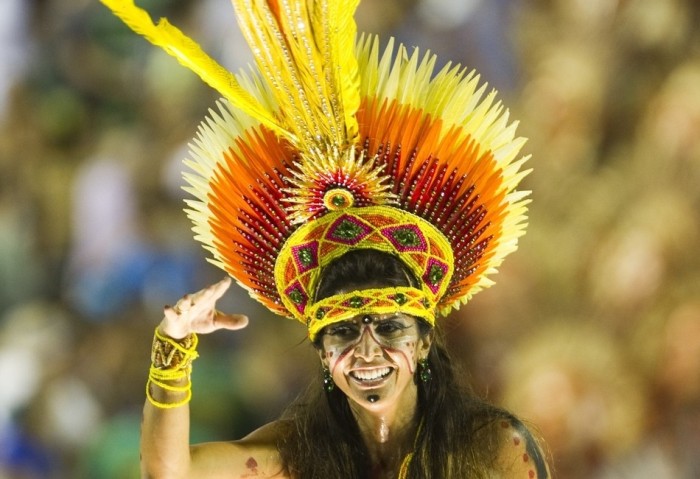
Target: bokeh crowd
x=592 y=332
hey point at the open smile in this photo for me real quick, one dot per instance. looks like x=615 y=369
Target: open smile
x=370 y=377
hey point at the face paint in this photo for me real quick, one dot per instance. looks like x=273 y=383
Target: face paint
x=392 y=331
x=372 y=354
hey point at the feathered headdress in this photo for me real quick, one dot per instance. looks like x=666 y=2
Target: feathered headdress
x=333 y=146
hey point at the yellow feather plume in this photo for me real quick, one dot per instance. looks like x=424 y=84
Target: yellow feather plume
x=305 y=50
x=344 y=78
x=191 y=55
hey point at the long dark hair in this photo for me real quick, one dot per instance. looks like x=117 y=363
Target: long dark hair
x=322 y=439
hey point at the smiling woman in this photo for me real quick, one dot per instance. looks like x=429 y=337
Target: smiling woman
x=392 y=400
x=372 y=357
x=363 y=195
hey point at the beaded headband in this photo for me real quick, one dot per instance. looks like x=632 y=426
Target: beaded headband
x=330 y=147
x=421 y=247
x=345 y=306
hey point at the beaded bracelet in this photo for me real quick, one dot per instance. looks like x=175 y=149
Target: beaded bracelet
x=171 y=360
x=167 y=353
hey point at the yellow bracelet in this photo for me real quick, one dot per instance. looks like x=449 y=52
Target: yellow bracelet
x=162 y=405
x=167 y=353
x=171 y=360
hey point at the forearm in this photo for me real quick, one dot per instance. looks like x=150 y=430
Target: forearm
x=165 y=437
x=165 y=434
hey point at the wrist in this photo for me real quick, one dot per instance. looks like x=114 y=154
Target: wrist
x=174 y=333
x=170 y=354
x=171 y=366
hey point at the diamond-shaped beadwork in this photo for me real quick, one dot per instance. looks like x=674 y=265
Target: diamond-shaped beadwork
x=306 y=256
x=348 y=230
x=406 y=238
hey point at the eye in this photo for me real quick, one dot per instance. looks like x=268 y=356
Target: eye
x=342 y=330
x=388 y=327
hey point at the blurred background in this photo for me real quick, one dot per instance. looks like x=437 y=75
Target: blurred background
x=592 y=333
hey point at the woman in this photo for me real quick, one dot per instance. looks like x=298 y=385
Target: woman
x=363 y=195
x=391 y=406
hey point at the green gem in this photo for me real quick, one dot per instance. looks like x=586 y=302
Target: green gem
x=347 y=230
x=425 y=373
x=400 y=298
x=339 y=200
x=356 y=302
x=296 y=296
x=436 y=274
x=407 y=237
x=306 y=257
x=320 y=314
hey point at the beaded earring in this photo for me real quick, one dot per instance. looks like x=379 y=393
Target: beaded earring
x=328 y=384
x=424 y=372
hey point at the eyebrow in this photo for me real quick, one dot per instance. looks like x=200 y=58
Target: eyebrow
x=358 y=318
x=395 y=316
x=358 y=321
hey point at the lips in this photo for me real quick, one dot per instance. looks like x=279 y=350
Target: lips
x=370 y=375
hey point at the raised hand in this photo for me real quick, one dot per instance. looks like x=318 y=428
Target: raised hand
x=197 y=313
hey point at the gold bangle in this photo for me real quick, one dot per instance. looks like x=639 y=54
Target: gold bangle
x=171 y=360
x=169 y=354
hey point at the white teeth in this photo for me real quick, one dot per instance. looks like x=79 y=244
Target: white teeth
x=371 y=374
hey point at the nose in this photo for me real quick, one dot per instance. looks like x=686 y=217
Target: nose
x=367 y=348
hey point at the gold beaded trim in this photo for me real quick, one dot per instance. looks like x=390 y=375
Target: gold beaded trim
x=171 y=361
x=167 y=353
x=345 y=306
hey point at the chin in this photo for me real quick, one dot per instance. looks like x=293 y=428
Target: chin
x=374 y=400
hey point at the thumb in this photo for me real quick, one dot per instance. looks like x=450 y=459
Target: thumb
x=230 y=321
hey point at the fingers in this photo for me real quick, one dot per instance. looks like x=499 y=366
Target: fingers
x=183 y=305
x=211 y=294
x=197 y=312
x=230 y=321
x=204 y=298
x=222 y=286
x=172 y=312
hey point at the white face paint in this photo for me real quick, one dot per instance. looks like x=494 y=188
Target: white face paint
x=373 y=358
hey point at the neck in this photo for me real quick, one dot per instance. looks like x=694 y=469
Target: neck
x=388 y=431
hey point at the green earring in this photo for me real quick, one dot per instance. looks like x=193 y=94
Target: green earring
x=424 y=372
x=328 y=384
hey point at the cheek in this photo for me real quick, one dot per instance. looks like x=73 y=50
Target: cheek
x=335 y=356
x=404 y=353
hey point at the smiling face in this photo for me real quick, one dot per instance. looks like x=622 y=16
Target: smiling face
x=373 y=358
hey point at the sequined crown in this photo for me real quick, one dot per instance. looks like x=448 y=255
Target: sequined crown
x=330 y=146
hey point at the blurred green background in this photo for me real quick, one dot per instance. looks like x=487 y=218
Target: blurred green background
x=592 y=332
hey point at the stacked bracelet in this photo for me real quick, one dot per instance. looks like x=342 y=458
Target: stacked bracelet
x=171 y=361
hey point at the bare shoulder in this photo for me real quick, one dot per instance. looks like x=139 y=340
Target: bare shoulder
x=520 y=454
x=254 y=456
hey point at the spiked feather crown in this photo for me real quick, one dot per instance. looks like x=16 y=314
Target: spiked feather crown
x=332 y=146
